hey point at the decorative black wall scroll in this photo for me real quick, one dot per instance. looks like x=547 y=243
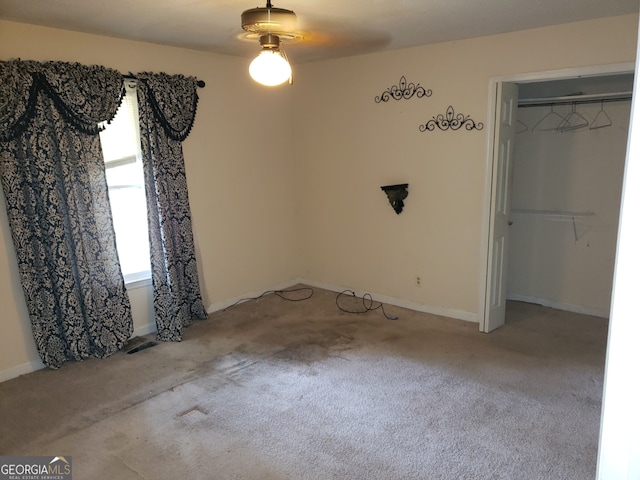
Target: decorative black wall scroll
x=403 y=90
x=451 y=121
x=396 y=194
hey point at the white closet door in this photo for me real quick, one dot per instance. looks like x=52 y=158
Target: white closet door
x=495 y=301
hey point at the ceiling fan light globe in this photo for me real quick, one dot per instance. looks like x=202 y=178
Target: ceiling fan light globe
x=270 y=68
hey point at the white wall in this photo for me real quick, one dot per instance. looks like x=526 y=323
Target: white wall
x=240 y=176
x=303 y=200
x=347 y=146
x=574 y=171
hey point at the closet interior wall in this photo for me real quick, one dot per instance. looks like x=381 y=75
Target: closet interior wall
x=568 y=166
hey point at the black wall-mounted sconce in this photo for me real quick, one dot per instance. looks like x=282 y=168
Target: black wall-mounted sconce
x=396 y=194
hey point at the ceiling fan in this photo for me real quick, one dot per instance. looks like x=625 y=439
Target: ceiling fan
x=271 y=66
x=270 y=25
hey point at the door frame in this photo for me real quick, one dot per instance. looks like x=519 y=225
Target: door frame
x=487 y=218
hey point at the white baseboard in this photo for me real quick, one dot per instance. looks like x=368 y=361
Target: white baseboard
x=144 y=330
x=398 y=302
x=13 y=372
x=215 y=307
x=567 y=307
x=444 y=312
x=33 y=365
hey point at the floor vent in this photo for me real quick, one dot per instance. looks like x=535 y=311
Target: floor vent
x=136 y=344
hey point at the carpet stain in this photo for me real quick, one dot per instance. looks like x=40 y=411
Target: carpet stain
x=343 y=342
x=228 y=364
x=315 y=350
x=303 y=353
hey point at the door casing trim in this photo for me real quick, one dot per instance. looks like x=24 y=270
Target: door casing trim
x=492 y=108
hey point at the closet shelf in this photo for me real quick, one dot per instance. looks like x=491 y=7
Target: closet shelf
x=553 y=214
x=575 y=99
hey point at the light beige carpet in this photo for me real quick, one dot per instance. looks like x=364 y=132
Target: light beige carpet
x=272 y=389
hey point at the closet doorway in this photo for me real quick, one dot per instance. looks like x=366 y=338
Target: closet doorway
x=564 y=176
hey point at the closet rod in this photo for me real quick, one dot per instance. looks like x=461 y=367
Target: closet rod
x=574 y=99
x=131 y=76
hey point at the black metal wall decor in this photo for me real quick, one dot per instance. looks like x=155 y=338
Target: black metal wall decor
x=451 y=121
x=403 y=90
x=396 y=194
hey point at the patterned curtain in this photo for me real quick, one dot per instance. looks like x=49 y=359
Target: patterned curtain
x=53 y=178
x=167 y=108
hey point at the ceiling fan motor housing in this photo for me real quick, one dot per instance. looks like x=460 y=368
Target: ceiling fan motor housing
x=263 y=21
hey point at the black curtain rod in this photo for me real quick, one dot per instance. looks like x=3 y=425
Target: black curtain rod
x=131 y=76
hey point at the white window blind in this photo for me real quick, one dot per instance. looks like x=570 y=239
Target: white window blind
x=121 y=148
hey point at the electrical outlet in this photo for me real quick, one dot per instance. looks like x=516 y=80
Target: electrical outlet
x=418 y=281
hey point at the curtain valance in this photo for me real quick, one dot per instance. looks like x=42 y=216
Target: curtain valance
x=174 y=100
x=83 y=95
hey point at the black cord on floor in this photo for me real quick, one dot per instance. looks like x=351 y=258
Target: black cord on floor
x=279 y=293
x=367 y=304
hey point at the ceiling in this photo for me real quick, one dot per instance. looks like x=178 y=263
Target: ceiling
x=331 y=28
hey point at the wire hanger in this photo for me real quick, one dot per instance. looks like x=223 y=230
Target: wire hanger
x=574 y=121
x=551 y=121
x=521 y=127
x=602 y=119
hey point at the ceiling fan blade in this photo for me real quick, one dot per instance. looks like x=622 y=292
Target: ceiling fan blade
x=341 y=42
x=301 y=35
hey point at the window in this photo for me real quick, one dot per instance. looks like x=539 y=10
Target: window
x=121 y=148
